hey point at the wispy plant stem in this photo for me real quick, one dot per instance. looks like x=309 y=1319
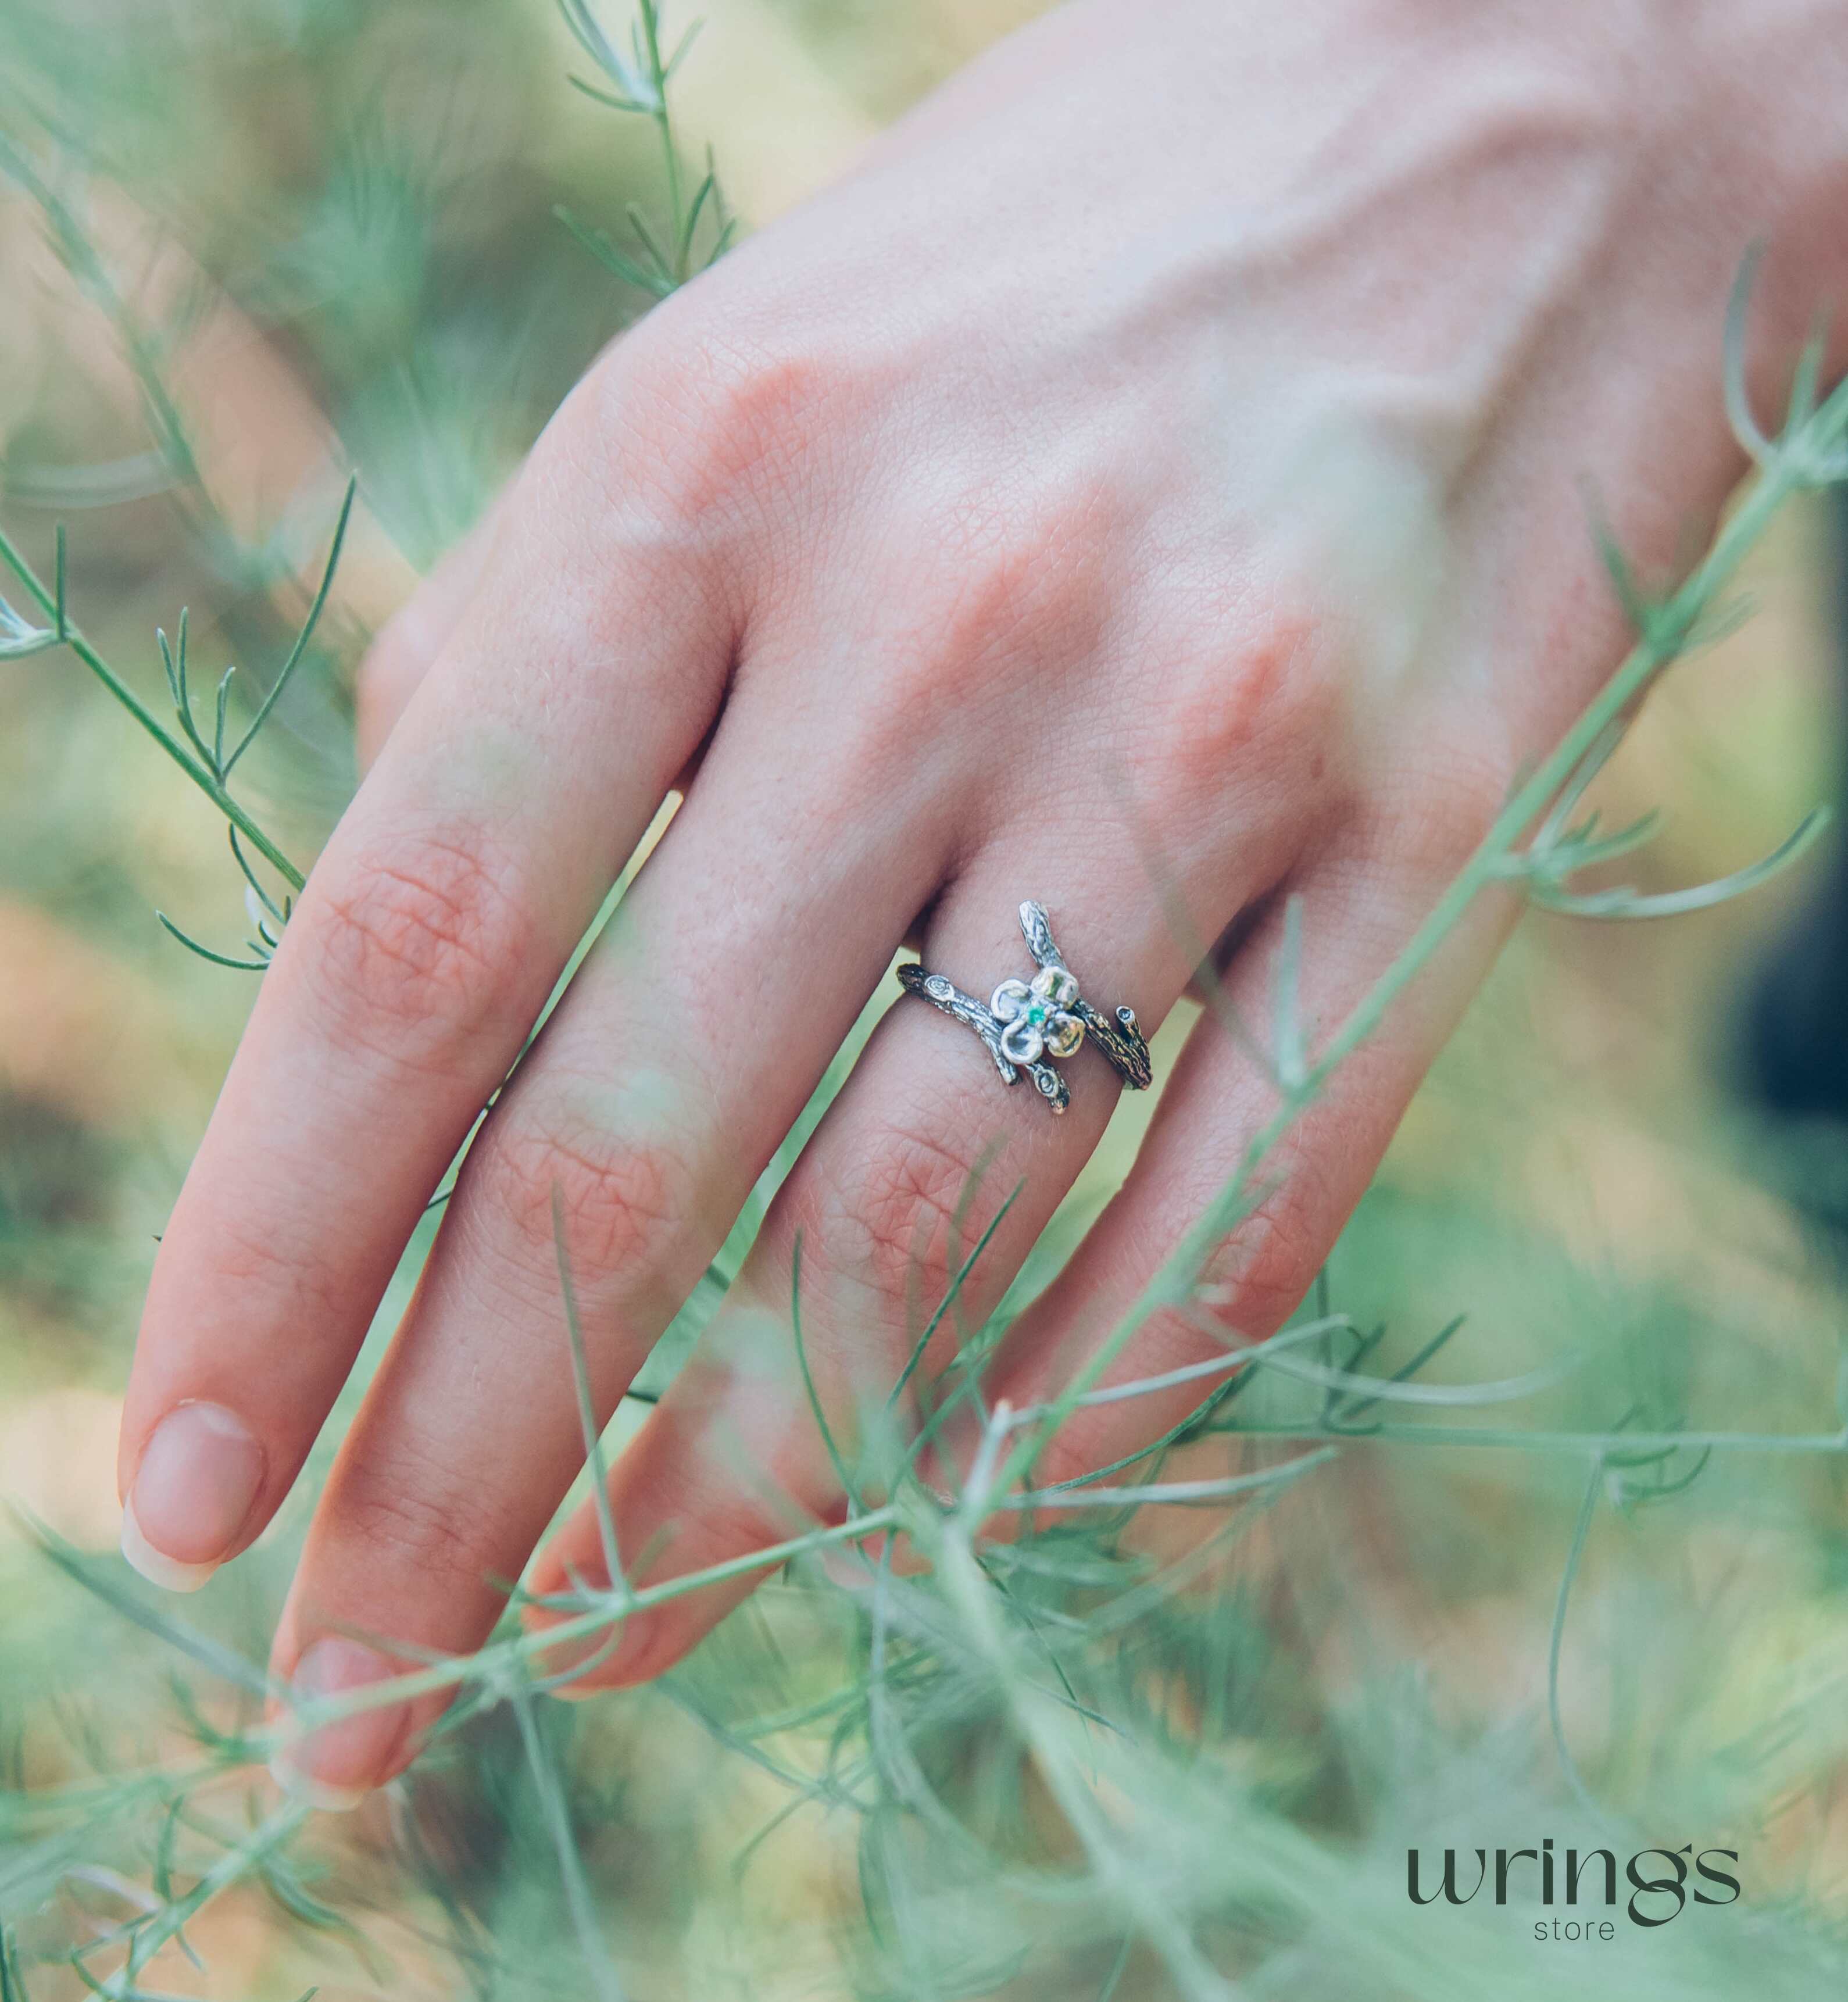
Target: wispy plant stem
x=501 y=1656
x=188 y=762
x=1521 y=1439
x=1581 y=1530
x=650 y=13
x=231 y=1869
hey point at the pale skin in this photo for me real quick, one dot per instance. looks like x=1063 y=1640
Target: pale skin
x=1153 y=484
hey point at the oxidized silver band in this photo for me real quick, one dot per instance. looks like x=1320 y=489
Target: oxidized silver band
x=1026 y=1023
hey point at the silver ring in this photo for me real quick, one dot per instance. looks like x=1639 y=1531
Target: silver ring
x=1028 y=1025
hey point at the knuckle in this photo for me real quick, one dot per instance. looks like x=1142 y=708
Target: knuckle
x=423 y=943
x=893 y=1211
x=421 y=1520
x=621 y=1205
x=997 y=586
x=757 y=403
x=1038 y=572
x=713 y=413
x=279 y=1266
x=1268 y=704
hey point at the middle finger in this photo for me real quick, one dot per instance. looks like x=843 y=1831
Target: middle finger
x=696 y=1030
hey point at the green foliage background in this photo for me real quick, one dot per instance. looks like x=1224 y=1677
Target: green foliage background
x=835 y=1798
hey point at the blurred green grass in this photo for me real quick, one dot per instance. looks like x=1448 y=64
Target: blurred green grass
x=372 y=187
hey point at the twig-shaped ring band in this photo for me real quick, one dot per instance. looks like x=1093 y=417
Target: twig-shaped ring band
x=1027 y=1025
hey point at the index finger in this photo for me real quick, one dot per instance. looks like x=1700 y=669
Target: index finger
x=431 y=930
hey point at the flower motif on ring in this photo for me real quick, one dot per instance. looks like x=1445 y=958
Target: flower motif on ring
x=1037 y=1016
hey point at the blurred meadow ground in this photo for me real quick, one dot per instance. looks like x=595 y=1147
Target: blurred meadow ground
x=337 y=219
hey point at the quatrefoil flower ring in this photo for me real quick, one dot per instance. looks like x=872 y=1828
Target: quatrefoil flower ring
x=1037 y=1013
x=1027 y=1025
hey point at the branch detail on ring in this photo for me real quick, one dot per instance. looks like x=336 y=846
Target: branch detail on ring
x=1028 y=1024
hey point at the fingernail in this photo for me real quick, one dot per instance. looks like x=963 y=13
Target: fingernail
x=595 y=1667
x=337 y=1766
x=193 y=1494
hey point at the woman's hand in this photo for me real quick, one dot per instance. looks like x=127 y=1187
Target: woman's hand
x=1152 y=485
